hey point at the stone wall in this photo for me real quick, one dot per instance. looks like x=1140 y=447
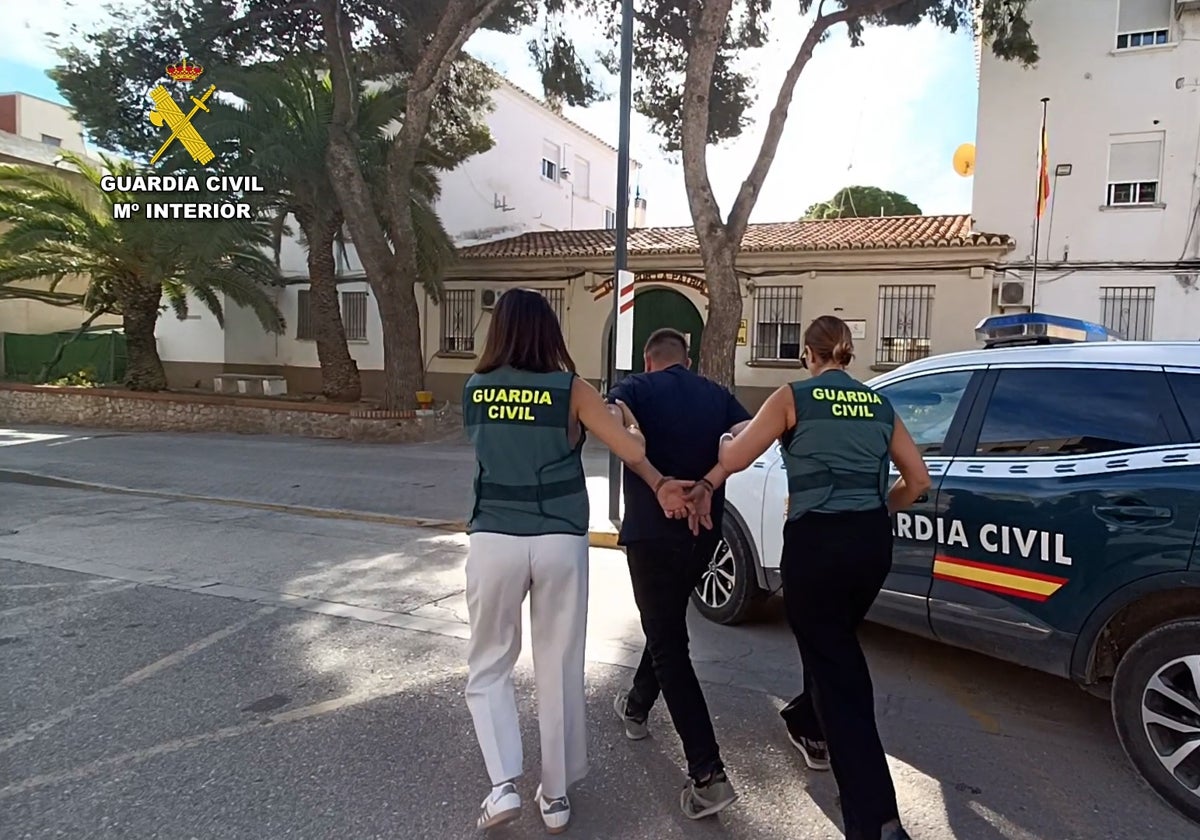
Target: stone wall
x=166 y=412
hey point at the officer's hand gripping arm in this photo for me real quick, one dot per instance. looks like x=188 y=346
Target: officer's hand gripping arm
x=772 y=420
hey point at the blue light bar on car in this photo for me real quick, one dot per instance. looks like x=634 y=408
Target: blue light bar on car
x=1038 y=328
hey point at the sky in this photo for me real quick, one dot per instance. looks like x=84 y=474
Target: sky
x=889 y=114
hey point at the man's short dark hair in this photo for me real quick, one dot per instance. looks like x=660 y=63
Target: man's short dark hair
x=667 y=344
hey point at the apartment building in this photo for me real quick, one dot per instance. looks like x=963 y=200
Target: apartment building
x=1119 y=240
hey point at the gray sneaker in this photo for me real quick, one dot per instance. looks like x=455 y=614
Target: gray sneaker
x=635 y=730
x=699 y=801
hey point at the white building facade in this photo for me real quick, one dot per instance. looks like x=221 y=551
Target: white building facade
x=1119 y=241
x=41 y=121
x=544 y=172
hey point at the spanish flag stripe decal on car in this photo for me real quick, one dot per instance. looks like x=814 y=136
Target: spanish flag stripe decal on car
x=1004 y=580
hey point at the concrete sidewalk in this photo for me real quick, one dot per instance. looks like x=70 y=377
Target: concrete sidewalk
x=423 y=485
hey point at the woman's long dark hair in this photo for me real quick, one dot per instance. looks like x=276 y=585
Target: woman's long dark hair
x=525 y=334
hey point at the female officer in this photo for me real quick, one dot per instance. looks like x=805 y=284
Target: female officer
x=837 y=436
x=525 y=411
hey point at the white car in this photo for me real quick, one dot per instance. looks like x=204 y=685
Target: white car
x=1062 y=530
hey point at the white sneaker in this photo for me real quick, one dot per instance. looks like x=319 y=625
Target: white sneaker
x=556 y=813
x=502 y=805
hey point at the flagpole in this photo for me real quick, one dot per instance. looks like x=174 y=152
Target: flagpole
x=1037 y=205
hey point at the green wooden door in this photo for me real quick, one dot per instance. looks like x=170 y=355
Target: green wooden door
x=654 y=309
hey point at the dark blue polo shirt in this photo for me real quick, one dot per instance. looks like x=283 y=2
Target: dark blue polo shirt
x=682 y=416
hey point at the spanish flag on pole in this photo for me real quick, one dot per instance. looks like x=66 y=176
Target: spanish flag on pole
x=1043 y=172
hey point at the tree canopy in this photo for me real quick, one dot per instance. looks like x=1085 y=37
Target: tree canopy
x=860 y=202
x=665 y=33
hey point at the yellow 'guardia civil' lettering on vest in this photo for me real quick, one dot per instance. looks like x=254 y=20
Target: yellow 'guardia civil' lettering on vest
x=511 y=403
x=848 y=403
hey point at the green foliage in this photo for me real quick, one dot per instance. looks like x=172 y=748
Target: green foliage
x=85 y=378
x=862 y=202
x=664 y=36
x=107 y=76
x=57 y=229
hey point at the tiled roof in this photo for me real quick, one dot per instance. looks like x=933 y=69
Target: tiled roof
x=884 y=232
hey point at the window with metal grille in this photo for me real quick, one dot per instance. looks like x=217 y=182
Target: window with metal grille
x=904 y=324
x=304 y=322
x=555 y=298
x=458 y=321
x=778 y=331
x=354 y=315
x=610 y=219
x=1128 y=311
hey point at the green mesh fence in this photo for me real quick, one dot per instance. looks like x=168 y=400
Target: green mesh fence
x=101 y=357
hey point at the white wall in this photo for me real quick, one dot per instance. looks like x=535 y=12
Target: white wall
x=1176 y=311
x=1097 y=92
x=199 y=338
x=289 y=351
x=511 y=173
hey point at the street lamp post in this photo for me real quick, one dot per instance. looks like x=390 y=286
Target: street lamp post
x=622 y=243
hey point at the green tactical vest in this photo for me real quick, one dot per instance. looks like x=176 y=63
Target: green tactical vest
x=529 y=480
x=837 y=455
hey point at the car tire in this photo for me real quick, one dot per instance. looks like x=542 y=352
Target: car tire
x=1167 y=657
x=715 y=596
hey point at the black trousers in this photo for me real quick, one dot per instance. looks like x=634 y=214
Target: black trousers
x=663 y=575
x=833 y=566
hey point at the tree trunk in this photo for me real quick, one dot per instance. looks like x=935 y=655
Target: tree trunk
x=403 y=359
x=340 y=381
x=718 y=345
x=139 y=308
x=720 y=240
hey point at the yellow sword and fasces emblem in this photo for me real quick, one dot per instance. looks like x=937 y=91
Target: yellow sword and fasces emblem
x=168 y=111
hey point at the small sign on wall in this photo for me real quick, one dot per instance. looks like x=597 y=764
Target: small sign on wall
x=743 y=329
x=858 y=330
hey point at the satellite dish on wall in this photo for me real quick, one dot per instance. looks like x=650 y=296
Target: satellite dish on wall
x=964 y=160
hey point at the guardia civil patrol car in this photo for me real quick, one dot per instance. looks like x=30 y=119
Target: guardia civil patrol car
x=1060 y=532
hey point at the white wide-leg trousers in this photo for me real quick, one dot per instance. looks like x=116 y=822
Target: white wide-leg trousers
x=553 y=570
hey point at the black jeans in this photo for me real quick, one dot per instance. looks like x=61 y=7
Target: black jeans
x=833 y=566
x=663 y=575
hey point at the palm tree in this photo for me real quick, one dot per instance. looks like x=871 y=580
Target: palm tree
x=280 y=132
x=59 y=229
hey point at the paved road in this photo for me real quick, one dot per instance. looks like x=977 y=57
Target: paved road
x=190 y=670
x=421 y=481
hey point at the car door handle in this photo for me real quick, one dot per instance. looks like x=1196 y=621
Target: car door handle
x=1123 y=514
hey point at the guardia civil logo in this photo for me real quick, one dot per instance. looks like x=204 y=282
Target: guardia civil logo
x=163 y=191
x=167 y=112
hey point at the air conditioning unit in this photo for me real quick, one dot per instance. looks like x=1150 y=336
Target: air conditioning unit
x=488 y=298
x=1182 y=6
x=1013 y=293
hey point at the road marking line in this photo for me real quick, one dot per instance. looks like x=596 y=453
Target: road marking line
x=93 y=768
x=66 y=599
x=1006 y=827
x=36 y=728
x=63 y=585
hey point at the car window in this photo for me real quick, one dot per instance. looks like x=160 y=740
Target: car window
x=1073 y=411
x=927 y=405
x=1186 y=387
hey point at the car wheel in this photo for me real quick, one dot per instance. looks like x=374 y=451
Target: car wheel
x=1156 y=709
x=728 y=591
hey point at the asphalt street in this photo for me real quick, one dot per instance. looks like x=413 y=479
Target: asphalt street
x=180 y=669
